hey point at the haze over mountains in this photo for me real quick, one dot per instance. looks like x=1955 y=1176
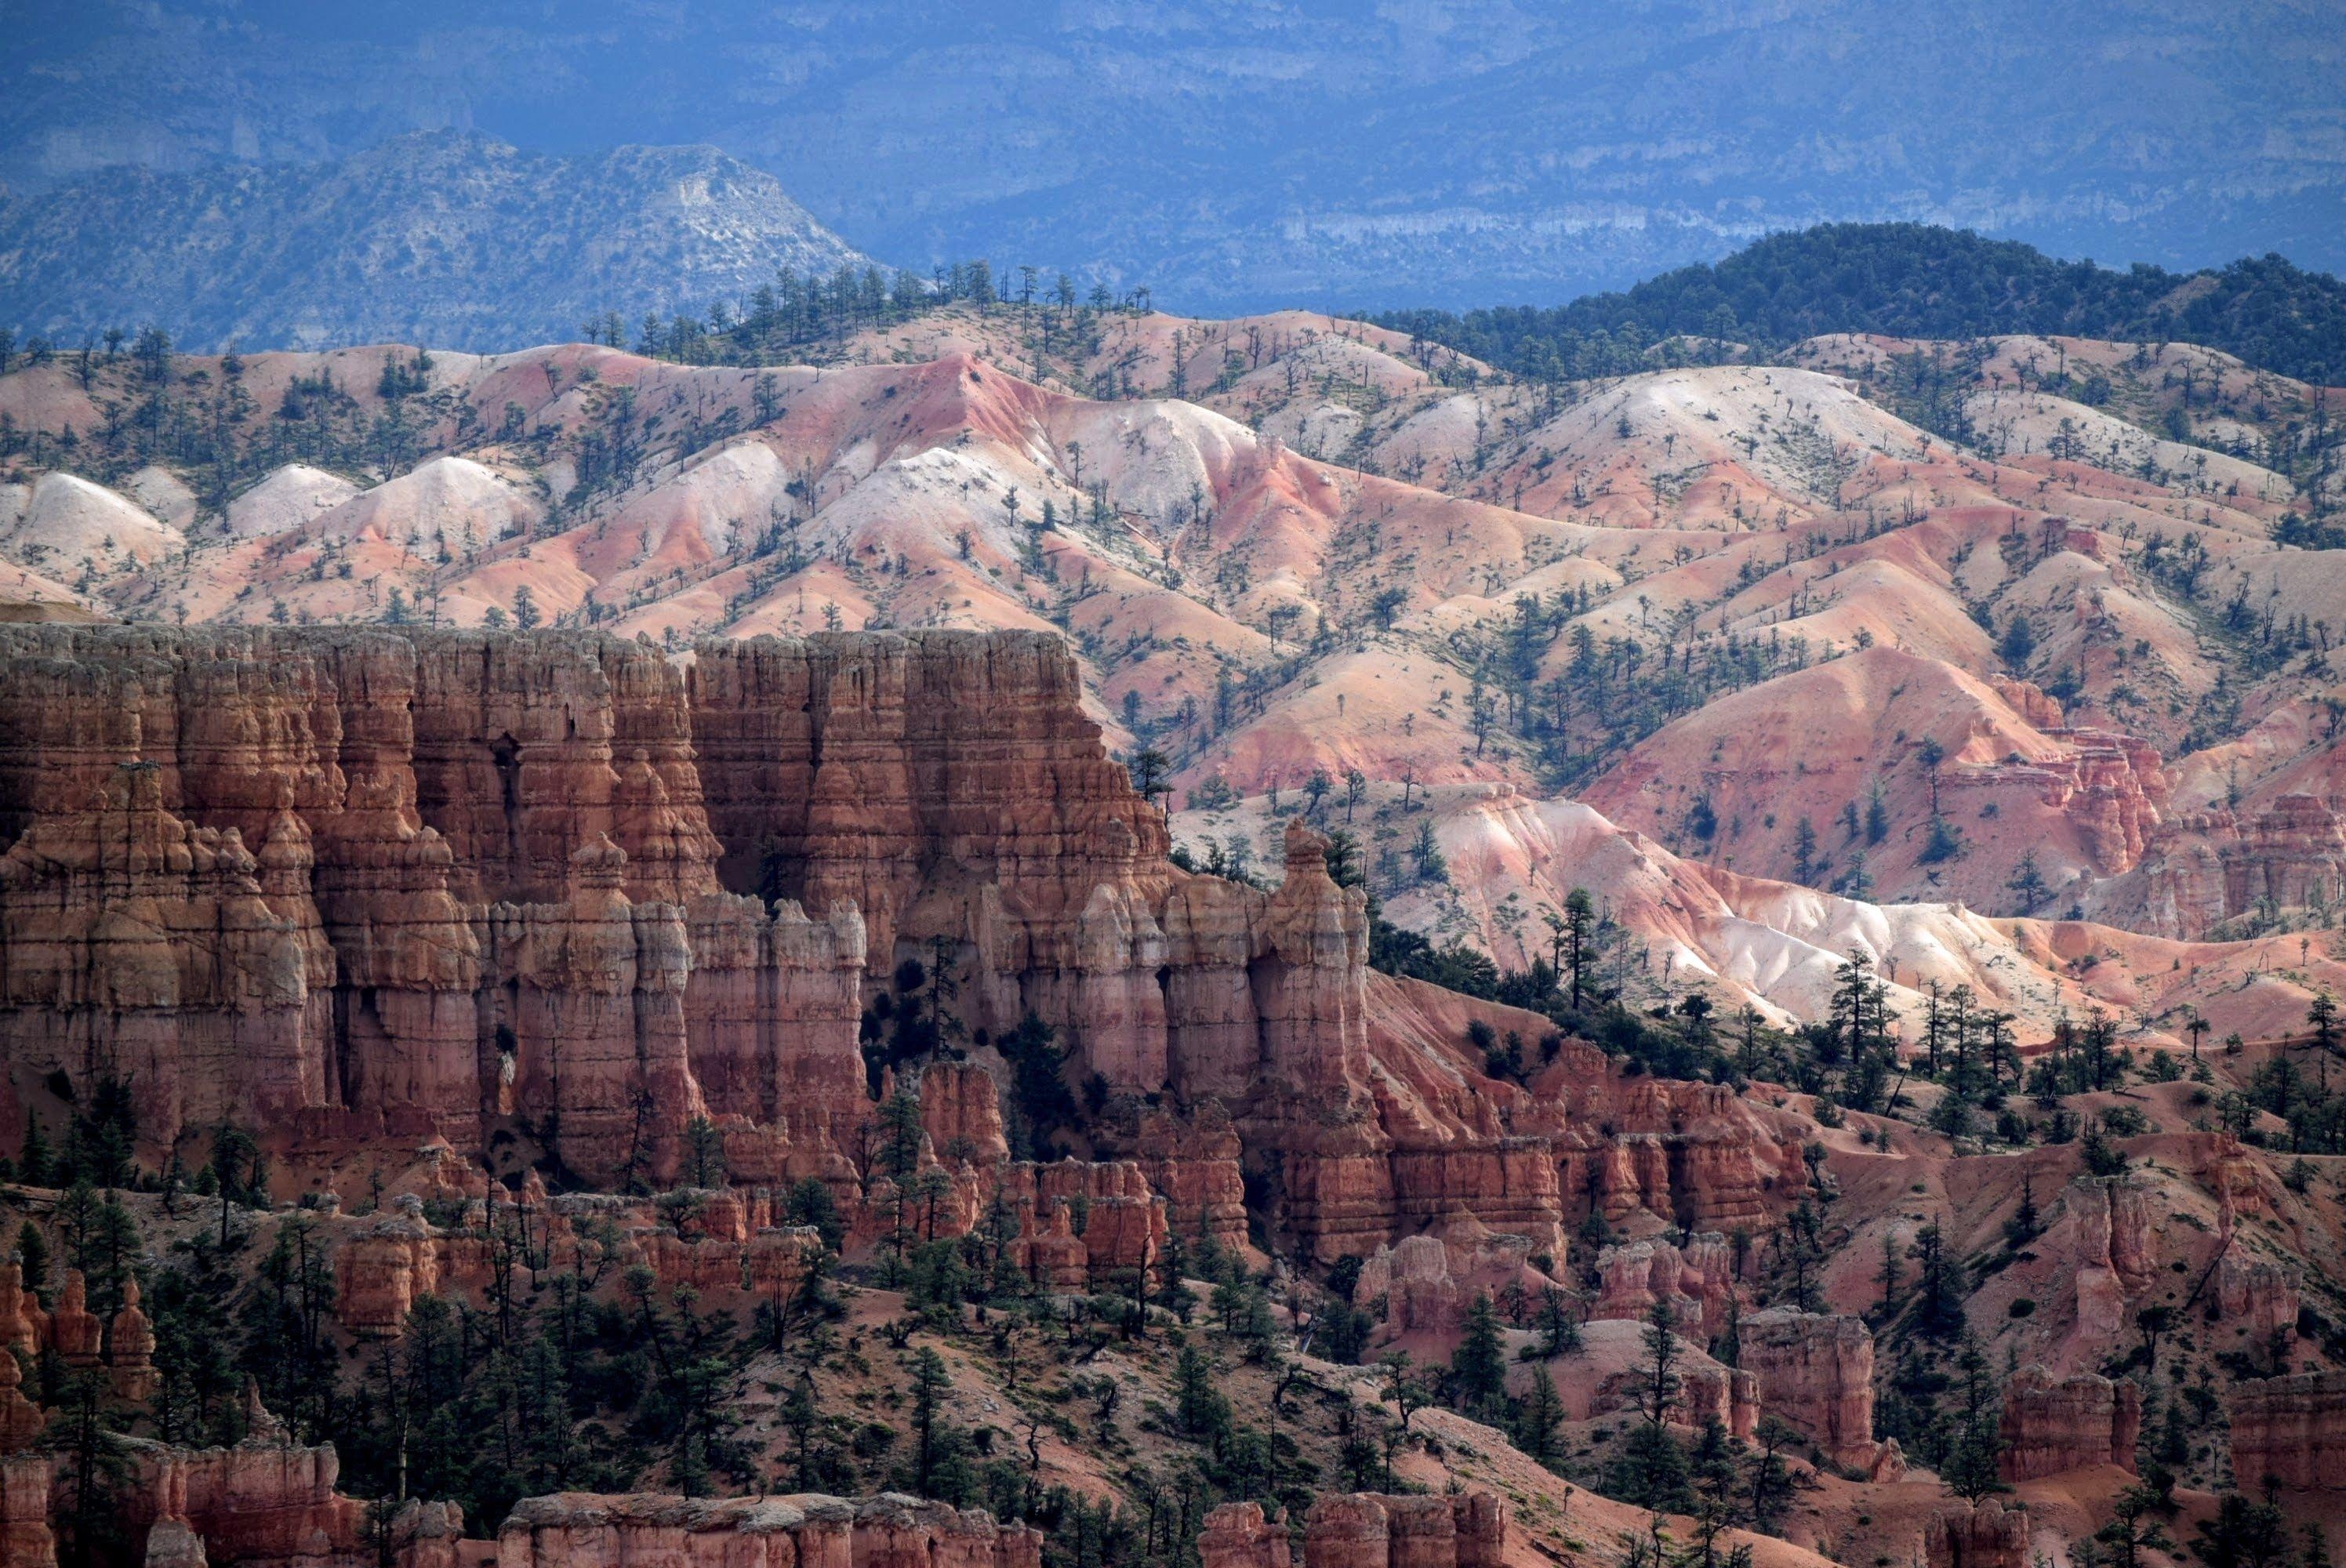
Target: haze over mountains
x=434 y=237
x=1234 y=156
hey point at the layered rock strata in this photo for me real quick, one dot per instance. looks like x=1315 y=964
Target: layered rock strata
x=582 y=1530
x=2051 y=1426
x=1987 y=1535
x=2291 y=1429
x=379 y=887
x=1816 y=1372
x=1370 y=1530
x=266 y=1503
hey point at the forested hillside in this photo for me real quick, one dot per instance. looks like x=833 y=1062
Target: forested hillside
x=1914 y=280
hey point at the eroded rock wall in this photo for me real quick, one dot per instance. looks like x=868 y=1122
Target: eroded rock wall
x=1371 y=1529
x=382 y=887
x=2292 y=1429
x=1988 y=1535
x=2050 y=1426
x=583 y=1530
x=1815 y=1371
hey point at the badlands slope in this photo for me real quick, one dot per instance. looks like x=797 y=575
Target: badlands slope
x=1733 y=645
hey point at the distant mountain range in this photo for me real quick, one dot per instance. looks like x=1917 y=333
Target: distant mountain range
x=1237 y=156
x=1909 y=280
x=452 y=239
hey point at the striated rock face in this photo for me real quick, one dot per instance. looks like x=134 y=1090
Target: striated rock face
x=26 y=1539
x=20 y=1419
x=1988 y=1535
x=1425 y=1283
x=2114 y=1256
x=2290 y=1428
x=1697 y=1281
x=1815 y=1371
x=2204 y=867
x=2050 y=1427
x=1237 y=1535
x=268 y=1502
x=1367 y=1530
x=374 y=887
x=582 y=1530
x=2257 y=1296
x=1728 y=1395
x=374 y=883
x=1653 y=1154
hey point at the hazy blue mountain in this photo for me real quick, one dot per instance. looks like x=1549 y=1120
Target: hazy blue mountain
x=1315 y=151
x=451 y=240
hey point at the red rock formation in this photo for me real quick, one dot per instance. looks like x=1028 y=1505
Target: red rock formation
x=2290 y=1428
x=75 y=1332
x=2050 y=1427
x=2257 y=1296
x=1237 y=1535
x=135 y=942
x=555 y=880
x=1411 y=1280
x=2114 y=1256
x=1652 y=1154
x=488 y=883
x=1728 y=1395
x=961 y=1112
x=21 y=1319
x=1987 y=1535
x=580 y=1529
x=1195 y=1163
x=2204 y=867
x=130 y=1349
x=266 y=1502
x=20 y=1419
x=26 y=1539
x=1425 y=1283
x=1817 y=1373
x=381 y=1270
x=1698 y=1281
x=1367 y=1530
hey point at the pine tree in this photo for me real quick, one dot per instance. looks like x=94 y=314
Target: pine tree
x=33 y=1252
x=1537 y=1415
x=2022 y=1226
x=930 y=1385
x=2027 y=884
x=1804 y=852
x=1939 y=1305
x=33 y=1165
x=704 y=1153
x=1658 y=1385
x=1579 y=922
x=1198 y=1407
x=1559 y=1330
x=1478 y=1370
x=2134 y=1529
x=1712 y=1473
